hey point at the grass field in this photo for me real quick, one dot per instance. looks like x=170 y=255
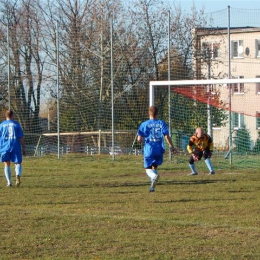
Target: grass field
x=90 y=208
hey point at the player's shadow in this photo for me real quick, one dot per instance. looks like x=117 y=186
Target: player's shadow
x=133 y=183
x=145 y=184
x=188 y=200
x=189 y=182
x=115 y=185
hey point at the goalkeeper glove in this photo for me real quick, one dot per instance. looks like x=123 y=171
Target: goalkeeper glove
x=195 y=157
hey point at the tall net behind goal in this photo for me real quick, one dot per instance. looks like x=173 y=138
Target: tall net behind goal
x=230 y=116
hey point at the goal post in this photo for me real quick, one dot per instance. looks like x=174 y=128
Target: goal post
x=236 y=130
x=195 y=82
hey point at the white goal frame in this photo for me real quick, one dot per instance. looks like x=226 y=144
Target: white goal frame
x=205 y=82
x=195 y=82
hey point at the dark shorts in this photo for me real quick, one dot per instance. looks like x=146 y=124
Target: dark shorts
x=206 y=154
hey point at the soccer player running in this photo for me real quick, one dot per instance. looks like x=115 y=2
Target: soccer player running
x=11 y=140
x=152 y=133
x=200 y=144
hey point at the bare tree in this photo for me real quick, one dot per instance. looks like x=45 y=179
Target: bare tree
x=26 y=64
x=84 y=60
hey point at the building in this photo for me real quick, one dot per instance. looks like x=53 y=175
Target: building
x=212 y=62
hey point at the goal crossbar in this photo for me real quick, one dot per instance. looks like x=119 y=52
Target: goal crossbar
x=195 y=82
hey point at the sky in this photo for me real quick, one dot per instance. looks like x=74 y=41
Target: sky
x=216 y=5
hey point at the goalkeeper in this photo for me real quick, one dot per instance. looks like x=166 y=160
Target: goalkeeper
x=153 y=132
x=200 y=145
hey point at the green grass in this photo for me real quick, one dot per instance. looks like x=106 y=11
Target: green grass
x=90 y=208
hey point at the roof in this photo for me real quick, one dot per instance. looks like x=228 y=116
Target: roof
x=223 y=30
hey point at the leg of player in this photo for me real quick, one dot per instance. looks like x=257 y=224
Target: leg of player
x=8 y=175
x=153 y=177
x=209 y=165
x=192 y=166
x=156 y=178
x=18 y=171
x=193 y=169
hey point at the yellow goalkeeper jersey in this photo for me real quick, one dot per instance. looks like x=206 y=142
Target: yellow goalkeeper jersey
x=200 y=144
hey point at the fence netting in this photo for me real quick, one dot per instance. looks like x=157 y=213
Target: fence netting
x=77 y=73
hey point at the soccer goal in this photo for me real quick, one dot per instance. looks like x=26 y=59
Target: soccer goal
x=88 y=143
x=228 y=109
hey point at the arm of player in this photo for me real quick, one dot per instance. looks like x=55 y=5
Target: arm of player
x=140 y=139
x=169 y=141
x=210 y=147
x=23 y=145
x=190 y=151
x=190 y=146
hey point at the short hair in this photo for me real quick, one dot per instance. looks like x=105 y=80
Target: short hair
x=153 y=111
x=9 y=113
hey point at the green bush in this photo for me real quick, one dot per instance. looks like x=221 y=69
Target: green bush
x=257 y=147
x=242 y=140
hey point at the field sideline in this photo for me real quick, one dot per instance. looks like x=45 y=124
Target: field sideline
x=90 y=208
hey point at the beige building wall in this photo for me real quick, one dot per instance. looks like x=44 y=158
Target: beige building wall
x=247 y=65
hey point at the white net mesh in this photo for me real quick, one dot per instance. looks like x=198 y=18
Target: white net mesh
x=77 y=76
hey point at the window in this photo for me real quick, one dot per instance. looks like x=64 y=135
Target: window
x=257 y=48
x=237 y=48
x=238 y=87
x=257 y=120
x=237 y=120
x=257 y=86
x=210 y=50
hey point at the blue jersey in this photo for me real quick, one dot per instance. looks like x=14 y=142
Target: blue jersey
x=10 y=134
x=153 y=131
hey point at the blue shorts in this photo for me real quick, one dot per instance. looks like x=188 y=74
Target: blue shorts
x=155 y=160
x=153 y=155
x=11 y=157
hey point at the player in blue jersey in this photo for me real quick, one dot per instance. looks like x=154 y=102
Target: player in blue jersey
x=152 y=133
x=12 y=147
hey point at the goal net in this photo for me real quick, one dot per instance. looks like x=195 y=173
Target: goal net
x=227 y=109
x=87 y=143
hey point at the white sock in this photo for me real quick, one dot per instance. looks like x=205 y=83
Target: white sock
x=7 y=171
x=209 y=165
x=18 y=169
x=151 y=173
x=155 y=171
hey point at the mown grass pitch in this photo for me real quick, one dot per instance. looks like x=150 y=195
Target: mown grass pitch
x=90 y=208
